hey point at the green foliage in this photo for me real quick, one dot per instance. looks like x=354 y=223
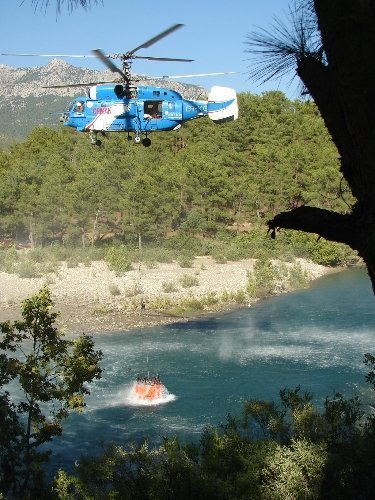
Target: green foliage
x=295 y=471
x=262 y=280
x=326 y=253
x=189 y=280
x=168 y=287
x=8 y=260
x=48 y=369
x=276 y=156
x=279 y=450
x=297 y=277
x=27 y=269
x=185 y=261
x=369 y=361
x=114 y=289
x=118 y=259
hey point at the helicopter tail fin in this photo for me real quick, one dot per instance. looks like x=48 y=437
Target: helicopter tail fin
x=222 y=104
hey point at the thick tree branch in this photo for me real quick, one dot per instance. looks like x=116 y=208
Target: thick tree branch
x=330 y=225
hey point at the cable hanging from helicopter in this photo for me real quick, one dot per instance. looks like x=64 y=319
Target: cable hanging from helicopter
x=125 y=107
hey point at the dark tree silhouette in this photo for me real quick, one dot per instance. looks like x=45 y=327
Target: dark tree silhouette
x=70 y=4
x=331 y=46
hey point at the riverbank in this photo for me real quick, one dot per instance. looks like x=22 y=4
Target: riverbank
x=93 y=299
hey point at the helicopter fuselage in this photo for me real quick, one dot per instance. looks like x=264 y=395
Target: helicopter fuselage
x=144 y=109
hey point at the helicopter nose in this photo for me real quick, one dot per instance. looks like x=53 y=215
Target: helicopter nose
x=64 y=117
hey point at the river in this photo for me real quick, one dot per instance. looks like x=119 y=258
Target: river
x=210 y=366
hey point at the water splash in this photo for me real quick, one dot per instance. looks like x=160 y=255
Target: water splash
x=129 y=396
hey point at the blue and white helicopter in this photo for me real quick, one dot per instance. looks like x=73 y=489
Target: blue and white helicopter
x=124 y=106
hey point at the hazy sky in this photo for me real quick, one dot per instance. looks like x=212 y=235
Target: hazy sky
x=214 y=35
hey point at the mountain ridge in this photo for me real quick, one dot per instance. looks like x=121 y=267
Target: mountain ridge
x=25 y=104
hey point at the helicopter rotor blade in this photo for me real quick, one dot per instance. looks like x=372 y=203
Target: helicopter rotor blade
x=66 y=85
x=190 y=76
x=104 y=59
x=45 y=55
x=150 y=58
x=157 y=38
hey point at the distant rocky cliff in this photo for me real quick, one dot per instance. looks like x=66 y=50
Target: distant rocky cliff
x=24 y=104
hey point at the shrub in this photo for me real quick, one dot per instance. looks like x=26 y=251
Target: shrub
x=189 y=280
x=220 y=258
x=189 y=305
x=27 y=269
x=184 y=244
x=210 y=299
x=134 y=290
x=114 y=289
x=263 y=279
x=162 y=255
x=72 y=262
x=160 y=303
x=326 y=253
x=8 y=260
x=298 y=277
x=168 y=287
x=101 y=310
x=37 y=255
x=118 y=259
x=185 y=261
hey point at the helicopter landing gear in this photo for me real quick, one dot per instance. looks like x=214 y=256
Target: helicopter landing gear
x=146 y=142
x=94 y=139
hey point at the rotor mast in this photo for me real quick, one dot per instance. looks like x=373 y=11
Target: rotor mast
x=127 y=58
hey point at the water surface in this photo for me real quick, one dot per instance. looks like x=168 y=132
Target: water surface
x=315 y=338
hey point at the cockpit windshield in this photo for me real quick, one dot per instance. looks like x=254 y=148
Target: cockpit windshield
x=79 y=107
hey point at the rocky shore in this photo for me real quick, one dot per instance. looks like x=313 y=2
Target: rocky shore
x=93 y=299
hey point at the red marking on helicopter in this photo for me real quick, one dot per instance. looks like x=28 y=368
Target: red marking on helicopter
x=102 y=111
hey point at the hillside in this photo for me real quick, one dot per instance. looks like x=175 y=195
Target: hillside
x=198 y=180
x=25 y=104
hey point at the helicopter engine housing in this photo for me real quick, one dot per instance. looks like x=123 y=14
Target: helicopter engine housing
x=107 y=92
x=222 y=104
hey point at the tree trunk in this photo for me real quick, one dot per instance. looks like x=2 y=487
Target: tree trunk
x=343 y=90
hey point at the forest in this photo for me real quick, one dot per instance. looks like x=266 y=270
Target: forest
x=205 y=183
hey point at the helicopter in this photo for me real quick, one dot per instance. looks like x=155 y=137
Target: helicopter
x=126 y=107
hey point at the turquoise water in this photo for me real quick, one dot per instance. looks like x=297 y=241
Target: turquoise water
x=315 y=338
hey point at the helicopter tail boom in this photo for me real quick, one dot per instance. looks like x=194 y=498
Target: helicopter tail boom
x=222 y=104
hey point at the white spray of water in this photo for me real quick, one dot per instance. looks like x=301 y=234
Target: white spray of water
x=127 y=396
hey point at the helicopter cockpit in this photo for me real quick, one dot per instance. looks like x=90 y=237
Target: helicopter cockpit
x=153 y=109
x=79 y=107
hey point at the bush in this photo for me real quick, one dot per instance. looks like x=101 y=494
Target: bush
x=114 y=289
x=168 y=287
x=133 y=291
x=8 y=260
x=298 y=277
x=188 y=280
x=72 y=262
x=263 y=279
x=219 y=258
x=118 y=259
x=184 y=244
x=162 y=255
x=27 y=269
x=326 y=253
x=185 y=261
